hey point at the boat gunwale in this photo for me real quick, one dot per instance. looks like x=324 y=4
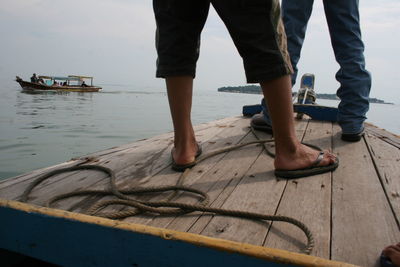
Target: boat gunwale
x=264 y=253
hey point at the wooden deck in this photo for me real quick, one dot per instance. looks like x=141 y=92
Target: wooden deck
x=353 y=212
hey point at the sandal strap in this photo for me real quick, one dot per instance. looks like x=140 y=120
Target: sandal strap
x=319 y=158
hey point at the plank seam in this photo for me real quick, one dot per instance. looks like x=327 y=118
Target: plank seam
x=154 y=217
x=381 y=182
x=331 y=206
x=283 y=191
x=216 y=198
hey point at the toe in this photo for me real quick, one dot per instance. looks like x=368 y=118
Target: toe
x=390 y=251
x=396 y=247
x=329 y=158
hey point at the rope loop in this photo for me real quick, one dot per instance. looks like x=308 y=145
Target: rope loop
x=166 y=207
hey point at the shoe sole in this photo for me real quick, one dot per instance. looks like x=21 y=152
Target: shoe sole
x=352 y=137
x=183 y=167
x=293 y=174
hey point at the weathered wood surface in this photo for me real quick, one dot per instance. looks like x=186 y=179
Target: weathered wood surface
x=353 y=212
x=384 y=135
x=362 y=220
x=308 y=200
x=386 y=158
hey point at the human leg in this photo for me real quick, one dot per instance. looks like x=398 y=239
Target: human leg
x=179 y=91
x=295 y=15
x=290 y=153
x=179 y=24
x=271 y=70
x=355 y=81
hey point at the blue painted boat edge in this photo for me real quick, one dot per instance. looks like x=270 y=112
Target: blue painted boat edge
x=73 y=239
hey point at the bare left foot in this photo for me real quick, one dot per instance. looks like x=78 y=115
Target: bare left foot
x=185 y=153
x=393 y=253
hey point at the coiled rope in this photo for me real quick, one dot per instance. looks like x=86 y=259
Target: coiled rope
x=166 y=207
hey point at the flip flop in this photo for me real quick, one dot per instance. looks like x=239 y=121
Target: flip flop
x=313 y=170
x=183 y=167
x=385 y=261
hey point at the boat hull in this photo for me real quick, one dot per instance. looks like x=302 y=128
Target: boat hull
x=35 y=86
x=71 y=239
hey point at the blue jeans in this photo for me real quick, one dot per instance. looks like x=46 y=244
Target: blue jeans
x=344 y=29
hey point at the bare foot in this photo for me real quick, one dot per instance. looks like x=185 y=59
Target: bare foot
x=185 y=153
x=301 y=157
x=393 y=253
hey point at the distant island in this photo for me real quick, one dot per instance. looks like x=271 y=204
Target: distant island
x=256 y=89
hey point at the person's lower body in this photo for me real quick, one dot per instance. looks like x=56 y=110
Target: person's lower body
x=257 y=32
x=355 y=81
x=295 y=16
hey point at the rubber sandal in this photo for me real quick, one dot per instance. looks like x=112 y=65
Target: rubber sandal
x=183 y=167
x=385 y=261
x=313 y=170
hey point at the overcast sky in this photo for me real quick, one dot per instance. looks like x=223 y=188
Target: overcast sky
x=113 y=40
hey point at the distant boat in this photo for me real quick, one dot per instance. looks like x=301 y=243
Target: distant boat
x=71 y=83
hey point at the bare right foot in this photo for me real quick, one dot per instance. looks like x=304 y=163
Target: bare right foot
x=300 y=157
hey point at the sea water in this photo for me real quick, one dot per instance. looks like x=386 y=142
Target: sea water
x=42 y=129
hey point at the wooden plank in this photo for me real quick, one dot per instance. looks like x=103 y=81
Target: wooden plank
x=199 y=177
x=362 y=221
x=307 y=200
x=20 y=183
x=386 y=158
x=249 y=195
x=30 y=175
x=13 y=189
x=386 y=136
x=258 y=191
x=77 y=180
x=152 y=154
x=229 y=170
x=212 y=176
x=133 y=176
x=133 y=166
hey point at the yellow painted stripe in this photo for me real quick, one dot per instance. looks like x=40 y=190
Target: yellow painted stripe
x=268 y=254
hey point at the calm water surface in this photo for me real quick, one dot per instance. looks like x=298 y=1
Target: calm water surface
x=39 y=130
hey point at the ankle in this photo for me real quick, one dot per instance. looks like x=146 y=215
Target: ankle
x=184 y=137
x=289 y=146
x=185 y=142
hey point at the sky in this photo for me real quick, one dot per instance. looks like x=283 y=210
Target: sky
x=113 y=40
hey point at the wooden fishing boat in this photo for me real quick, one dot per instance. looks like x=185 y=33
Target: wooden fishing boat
x=353 y=212
x=71 y=83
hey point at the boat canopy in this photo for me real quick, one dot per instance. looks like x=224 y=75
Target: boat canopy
x=69 y=78
x=80 y=77
x=74 y=78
